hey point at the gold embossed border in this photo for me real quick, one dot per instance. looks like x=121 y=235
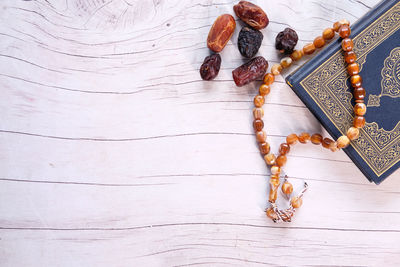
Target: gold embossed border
x=379 y=148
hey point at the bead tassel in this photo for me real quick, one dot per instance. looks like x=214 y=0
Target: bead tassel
x=277 y=162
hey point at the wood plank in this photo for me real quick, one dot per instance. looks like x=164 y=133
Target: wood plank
x=115 y=153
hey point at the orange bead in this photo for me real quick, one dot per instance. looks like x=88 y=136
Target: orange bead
x=269 y=78
x=281 y=160
x=353 y=133
x=273 y=190
x=274 y=181
x=316 y=139
x=319 y=42
x=261 y=136
x=284 y=148
x=270 y=159
x=287 y=188
x=326 y=142
x=356 y=81
x=297 y=54
x=328 y=34
x=347 y=44
x=359 y=93
x=258 y=125
x=296 y=202
x=273 y=195
x=259 y=101
x=343 y=141
x=350 y=57
x=336 y=26
x=292 y=139
x=304 y=138
x=264 y=90
x=359 y=121
x=344 y=31
x=360 y=109
x=264 y=148
x=353 y=69
x=308 y=49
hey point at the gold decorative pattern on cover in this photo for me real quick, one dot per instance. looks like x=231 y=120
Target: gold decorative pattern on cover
x=326 y=85
x=390 y=83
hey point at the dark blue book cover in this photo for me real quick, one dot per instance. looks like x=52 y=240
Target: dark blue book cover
x=323 y=85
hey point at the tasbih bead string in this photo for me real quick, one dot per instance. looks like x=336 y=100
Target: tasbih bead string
x=276 y=163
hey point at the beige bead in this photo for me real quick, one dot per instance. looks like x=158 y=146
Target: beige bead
x=353 y=133
x=276 y=69
x=344 y=22
x=261 y=136
x=296 y=202
x=270 y=159
x=259 y=101
x=297 y=54
x=286 y=62
x=337 y=24
x=258 y=113
x=275 y=170
x=343 y=141
x=333 y=146
x=274 y=180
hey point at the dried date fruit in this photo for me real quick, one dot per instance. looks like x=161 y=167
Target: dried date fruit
x=249 y=42
x=286 y=40
x=251 y=14
x=250 y=71
x=220 y=32
x=210 y=67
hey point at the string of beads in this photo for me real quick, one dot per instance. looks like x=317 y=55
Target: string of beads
x=276 y=163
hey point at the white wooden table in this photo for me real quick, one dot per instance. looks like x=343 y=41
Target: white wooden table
x=113 y=151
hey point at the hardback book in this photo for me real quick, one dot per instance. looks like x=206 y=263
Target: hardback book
x=323 y=85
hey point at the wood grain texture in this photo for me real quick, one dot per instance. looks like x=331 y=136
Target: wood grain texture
x=115 y=153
